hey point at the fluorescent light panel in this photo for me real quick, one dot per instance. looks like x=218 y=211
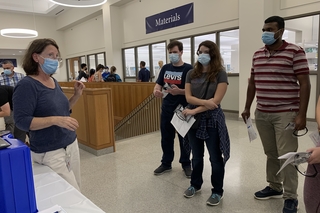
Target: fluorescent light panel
x=18 y=33
x=79 y=3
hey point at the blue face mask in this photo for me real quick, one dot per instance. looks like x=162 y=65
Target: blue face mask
x=204 y=59
x=7 y=72
x=268 y=38
x=174 y=58
x=49 y=66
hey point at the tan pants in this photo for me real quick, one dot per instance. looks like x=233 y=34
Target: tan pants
x=277 y=141
x=58 y=159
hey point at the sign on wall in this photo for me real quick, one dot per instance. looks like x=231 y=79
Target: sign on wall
x=170 y=18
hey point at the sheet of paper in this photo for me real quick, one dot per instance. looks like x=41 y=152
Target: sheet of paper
x=182 y=124
x=53 y=209
x=290 y=156
x=315 y=137
x=251 y=131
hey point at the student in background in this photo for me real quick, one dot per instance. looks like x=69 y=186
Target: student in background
x=98 y=74
x=113 y=76
x=144 y=73
x=91 y=75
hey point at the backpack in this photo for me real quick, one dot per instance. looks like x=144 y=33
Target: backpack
x=111 y=78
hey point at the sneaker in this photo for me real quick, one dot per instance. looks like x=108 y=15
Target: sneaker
x=267 y=193
x=214 y=199
x=290 y=206
x=162 y=169
x=191 y=191
x=187 y=171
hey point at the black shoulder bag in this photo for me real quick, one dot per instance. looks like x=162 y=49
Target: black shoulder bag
x=196 y=124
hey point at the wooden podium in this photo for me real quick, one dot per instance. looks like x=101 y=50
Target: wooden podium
x=94 y=112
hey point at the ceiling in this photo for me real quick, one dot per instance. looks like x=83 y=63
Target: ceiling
x=38 y=7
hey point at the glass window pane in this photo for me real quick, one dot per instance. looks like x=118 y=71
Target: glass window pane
x=92 y=62
x=143 y=55
x=101 y=59
x=83 y=59
x=186 y=56
x=229 y=48
x=304 y=32
x=129 y=62
x=158 y=54
x=199 y=39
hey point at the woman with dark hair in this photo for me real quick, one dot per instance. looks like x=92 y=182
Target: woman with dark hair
x=41 y=108
x=205 y=88
x=98 y=74
x=91 y=73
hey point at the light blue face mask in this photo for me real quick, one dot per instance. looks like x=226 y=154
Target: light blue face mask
x=204 y=59
x=49 y=66
x=7 y=72
x=174 y=58
x=268 y=38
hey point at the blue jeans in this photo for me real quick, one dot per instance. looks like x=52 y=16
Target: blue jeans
x=216 y=160
x=167 y=141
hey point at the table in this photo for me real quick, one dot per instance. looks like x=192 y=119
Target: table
x=51 y=190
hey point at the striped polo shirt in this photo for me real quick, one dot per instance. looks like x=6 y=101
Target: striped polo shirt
x=275 y=77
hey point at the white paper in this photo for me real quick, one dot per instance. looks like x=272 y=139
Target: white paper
x=182 y=125
x=290 y=156
x=251 y=131
x=53 y=209
x=315 y=137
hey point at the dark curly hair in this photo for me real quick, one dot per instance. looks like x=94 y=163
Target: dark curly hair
x=215 y=65
x=36 y=46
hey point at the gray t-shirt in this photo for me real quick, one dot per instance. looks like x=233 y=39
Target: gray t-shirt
x=199 y=85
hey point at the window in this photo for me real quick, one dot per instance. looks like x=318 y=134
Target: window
x=92 y=62
x=143 y=55
x=159 y=51
x=305 y=33
x=130 y=66
x=186 y=56
x=101 y=59
x=229 y=49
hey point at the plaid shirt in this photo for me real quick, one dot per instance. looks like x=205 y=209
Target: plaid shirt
x=11 y=81
x=215 y=119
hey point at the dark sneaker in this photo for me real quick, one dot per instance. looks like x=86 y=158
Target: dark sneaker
x=290 y=206
x=191 y=191
x=187 y=171
x=162 y=169
x=267 y=193
x=214 y=199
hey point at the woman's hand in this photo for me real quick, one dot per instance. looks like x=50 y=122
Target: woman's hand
x=315 y=155
x=67 y=122
x=209 y=104
x=187 y=112
x=78 y=88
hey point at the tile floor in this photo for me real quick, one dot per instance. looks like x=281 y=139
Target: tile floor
x=123 y=182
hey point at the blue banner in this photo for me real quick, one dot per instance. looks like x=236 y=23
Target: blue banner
x=170 y=18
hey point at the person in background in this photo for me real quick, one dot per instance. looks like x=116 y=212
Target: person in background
x=41 y=108
x=6 y=93
x=205 y=88
x=98 y=74
x=83 y=72
x=91 y=73
x=157 y=71
x=113 y=77
x=105 y=73
x=11 y=78
x=280 y=77
x=312 y=183
x=175 y=75
x=144 y=73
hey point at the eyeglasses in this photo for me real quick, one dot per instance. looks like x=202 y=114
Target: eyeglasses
x=53 y=58
x=296 y=133
x=301 y=165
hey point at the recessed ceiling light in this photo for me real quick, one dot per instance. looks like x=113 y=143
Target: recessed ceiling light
x=79 y=3
x=18 y=33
